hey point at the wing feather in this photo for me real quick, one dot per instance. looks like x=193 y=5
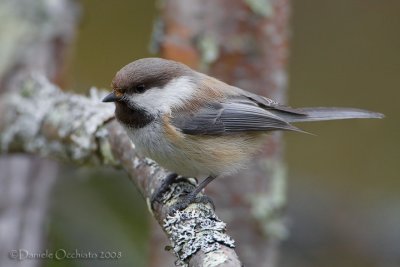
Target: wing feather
x=244 y=112
x=235 y=115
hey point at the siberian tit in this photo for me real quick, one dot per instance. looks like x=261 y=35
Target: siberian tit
x=198 y=126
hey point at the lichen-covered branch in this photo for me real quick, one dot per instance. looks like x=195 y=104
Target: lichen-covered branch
x=39 y=118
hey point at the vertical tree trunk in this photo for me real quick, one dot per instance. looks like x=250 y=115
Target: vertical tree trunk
x=244 y=43
x=34 y=36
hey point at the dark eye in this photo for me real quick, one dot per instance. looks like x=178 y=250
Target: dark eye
x=140 y=88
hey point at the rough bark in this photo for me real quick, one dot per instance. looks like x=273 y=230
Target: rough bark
x=34 y=36
x=245 y=43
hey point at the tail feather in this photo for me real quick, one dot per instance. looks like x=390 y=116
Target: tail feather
x=324 y=114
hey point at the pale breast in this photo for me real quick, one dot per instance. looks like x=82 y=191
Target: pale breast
x=208 y=154
x=194 y=156
x=221 y=155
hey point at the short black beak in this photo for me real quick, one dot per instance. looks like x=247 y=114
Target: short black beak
x=111 y=97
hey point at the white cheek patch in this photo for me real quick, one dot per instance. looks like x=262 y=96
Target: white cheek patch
x=174 y=94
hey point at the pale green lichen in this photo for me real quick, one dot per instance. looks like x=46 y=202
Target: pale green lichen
x=12 y=28
x=209 y=50
x=157 y=35
x=148 y=204
x=41 y=22
x=107 y=155
x=261 y=7
x=267 y=207
x=215 y=258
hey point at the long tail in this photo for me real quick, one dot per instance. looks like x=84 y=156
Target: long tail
x=324 y=114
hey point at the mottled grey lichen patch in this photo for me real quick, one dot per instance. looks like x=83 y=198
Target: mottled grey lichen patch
x=27 y=127
x=195 y=229
x=43 y=119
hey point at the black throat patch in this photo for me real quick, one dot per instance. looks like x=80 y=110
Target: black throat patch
x=132 y=116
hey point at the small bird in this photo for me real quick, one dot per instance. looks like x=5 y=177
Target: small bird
x=198 y=126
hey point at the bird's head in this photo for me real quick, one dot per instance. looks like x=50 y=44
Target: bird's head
x=150 y=86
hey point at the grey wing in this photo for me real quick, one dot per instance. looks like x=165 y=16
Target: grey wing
x=236 y=115
x=268 y=103
x=290 y=114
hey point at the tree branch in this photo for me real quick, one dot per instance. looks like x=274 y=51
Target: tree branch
x=39 y=118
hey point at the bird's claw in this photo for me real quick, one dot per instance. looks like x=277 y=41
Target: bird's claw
x=157 y=196
x=185 y=201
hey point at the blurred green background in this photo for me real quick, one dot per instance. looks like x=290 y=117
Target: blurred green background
x=344 y=186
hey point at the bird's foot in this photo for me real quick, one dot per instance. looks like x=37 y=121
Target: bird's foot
x=190 y=198
x=168 y=181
